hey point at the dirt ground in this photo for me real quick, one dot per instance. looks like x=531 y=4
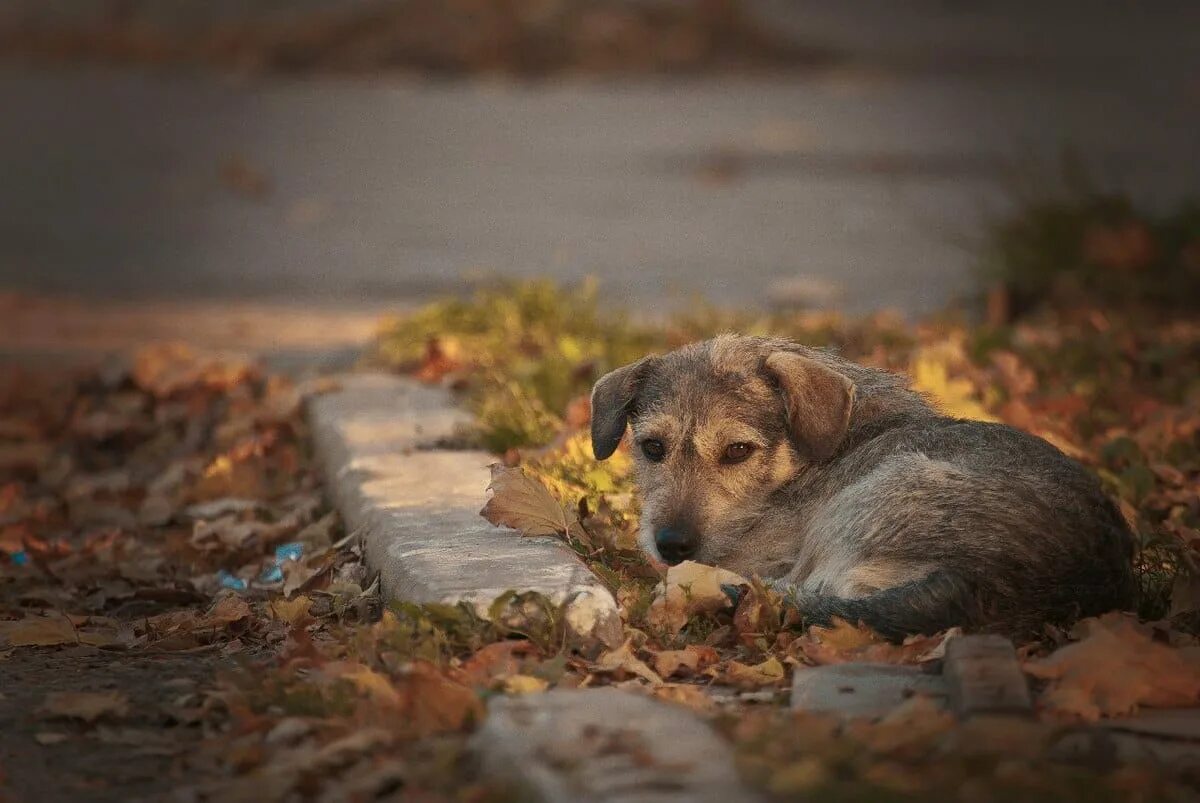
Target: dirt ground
x=142 y=757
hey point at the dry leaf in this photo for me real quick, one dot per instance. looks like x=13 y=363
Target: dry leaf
x=168 y=368
x=291 y=612
x=371 y=683
x=523 y=503
x=498 y=660
x=228 y=609
x=1115 y=668
x=930 y=372
x=524 y=684
x=692 y=658
x=913 y=725
x=690 y=588
x=693 y=697
x=769 y=673
x=436 y=704
x=86 y=705
x=843 y=642
x=40 y=631
x=46 y=738
x=623 y=659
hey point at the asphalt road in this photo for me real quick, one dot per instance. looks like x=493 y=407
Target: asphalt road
x=871 y=178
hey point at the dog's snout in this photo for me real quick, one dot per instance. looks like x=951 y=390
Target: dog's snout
x=676 y=544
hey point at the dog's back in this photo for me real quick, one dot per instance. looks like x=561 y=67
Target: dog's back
x=992 y=526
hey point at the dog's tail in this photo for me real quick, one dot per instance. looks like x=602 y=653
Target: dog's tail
x=934 y=603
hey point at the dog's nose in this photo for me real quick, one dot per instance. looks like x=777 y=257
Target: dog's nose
x=675 y=545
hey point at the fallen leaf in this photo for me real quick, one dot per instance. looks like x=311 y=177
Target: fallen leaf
x=169 y=368
x=291 y=612
x=843 y=643
x=523 y=503
x=227 y=610
x=691 y=658
x=524 y=684
x=1113 y=669
x=913 y=725
x=693 y=697
x=954 y=396
x=436 y=704
x=377 y=686
x=87 y=706
x=47 y=738
x=623 y=659
x=690 y=588
x=501 y=659
x=39 y=631
x=769 y=673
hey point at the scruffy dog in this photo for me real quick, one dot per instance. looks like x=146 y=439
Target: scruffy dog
x=845 y=488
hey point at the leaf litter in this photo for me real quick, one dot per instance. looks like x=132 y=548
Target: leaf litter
x=187 y=469
x=1110 y=389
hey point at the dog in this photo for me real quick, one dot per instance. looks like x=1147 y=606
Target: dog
x=841 y=486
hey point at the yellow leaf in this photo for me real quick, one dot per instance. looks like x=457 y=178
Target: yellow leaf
x=955 y=397
x=769 y=673
x=373 y=684
x=291 y=611
x=524 y=684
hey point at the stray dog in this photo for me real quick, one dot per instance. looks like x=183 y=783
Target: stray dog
x=849 y=491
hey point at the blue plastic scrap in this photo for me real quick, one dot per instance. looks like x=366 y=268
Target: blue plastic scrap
x=284 y=553
x=228 y=580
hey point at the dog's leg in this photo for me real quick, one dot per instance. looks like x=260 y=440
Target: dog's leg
x=931 y=604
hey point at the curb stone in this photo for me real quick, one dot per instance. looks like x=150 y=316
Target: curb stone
x=588 y=746
x=416 y=507
x=980 y=675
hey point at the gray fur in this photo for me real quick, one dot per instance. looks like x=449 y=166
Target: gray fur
x=905 y=519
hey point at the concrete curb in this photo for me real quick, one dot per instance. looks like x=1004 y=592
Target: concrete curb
x=587 y=746
x=416 y=507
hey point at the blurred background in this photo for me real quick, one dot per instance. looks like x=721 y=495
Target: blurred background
x=273 y=176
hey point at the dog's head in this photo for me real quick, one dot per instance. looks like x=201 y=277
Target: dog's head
x=718 y=427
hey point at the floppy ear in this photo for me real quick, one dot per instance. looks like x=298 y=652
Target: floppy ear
x=818 y=399
x=612 y=399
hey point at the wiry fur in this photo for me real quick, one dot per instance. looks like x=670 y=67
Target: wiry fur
x=887 y=513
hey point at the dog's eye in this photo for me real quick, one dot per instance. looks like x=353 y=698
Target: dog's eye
x=654 y=450
x=737 y=452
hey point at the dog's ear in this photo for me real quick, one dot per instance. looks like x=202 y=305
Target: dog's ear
x=818 y=400
x=613 y=398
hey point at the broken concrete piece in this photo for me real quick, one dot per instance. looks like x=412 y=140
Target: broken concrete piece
x=416 y=507
x=568 y=746
x=857 y=690
x=983 y=676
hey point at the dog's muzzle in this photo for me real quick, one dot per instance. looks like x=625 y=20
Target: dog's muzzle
x=676 y=544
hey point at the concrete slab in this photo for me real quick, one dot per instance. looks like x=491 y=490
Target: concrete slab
x=416 y=507
x=856 y=690
x=568 y=746
x=984 y=677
